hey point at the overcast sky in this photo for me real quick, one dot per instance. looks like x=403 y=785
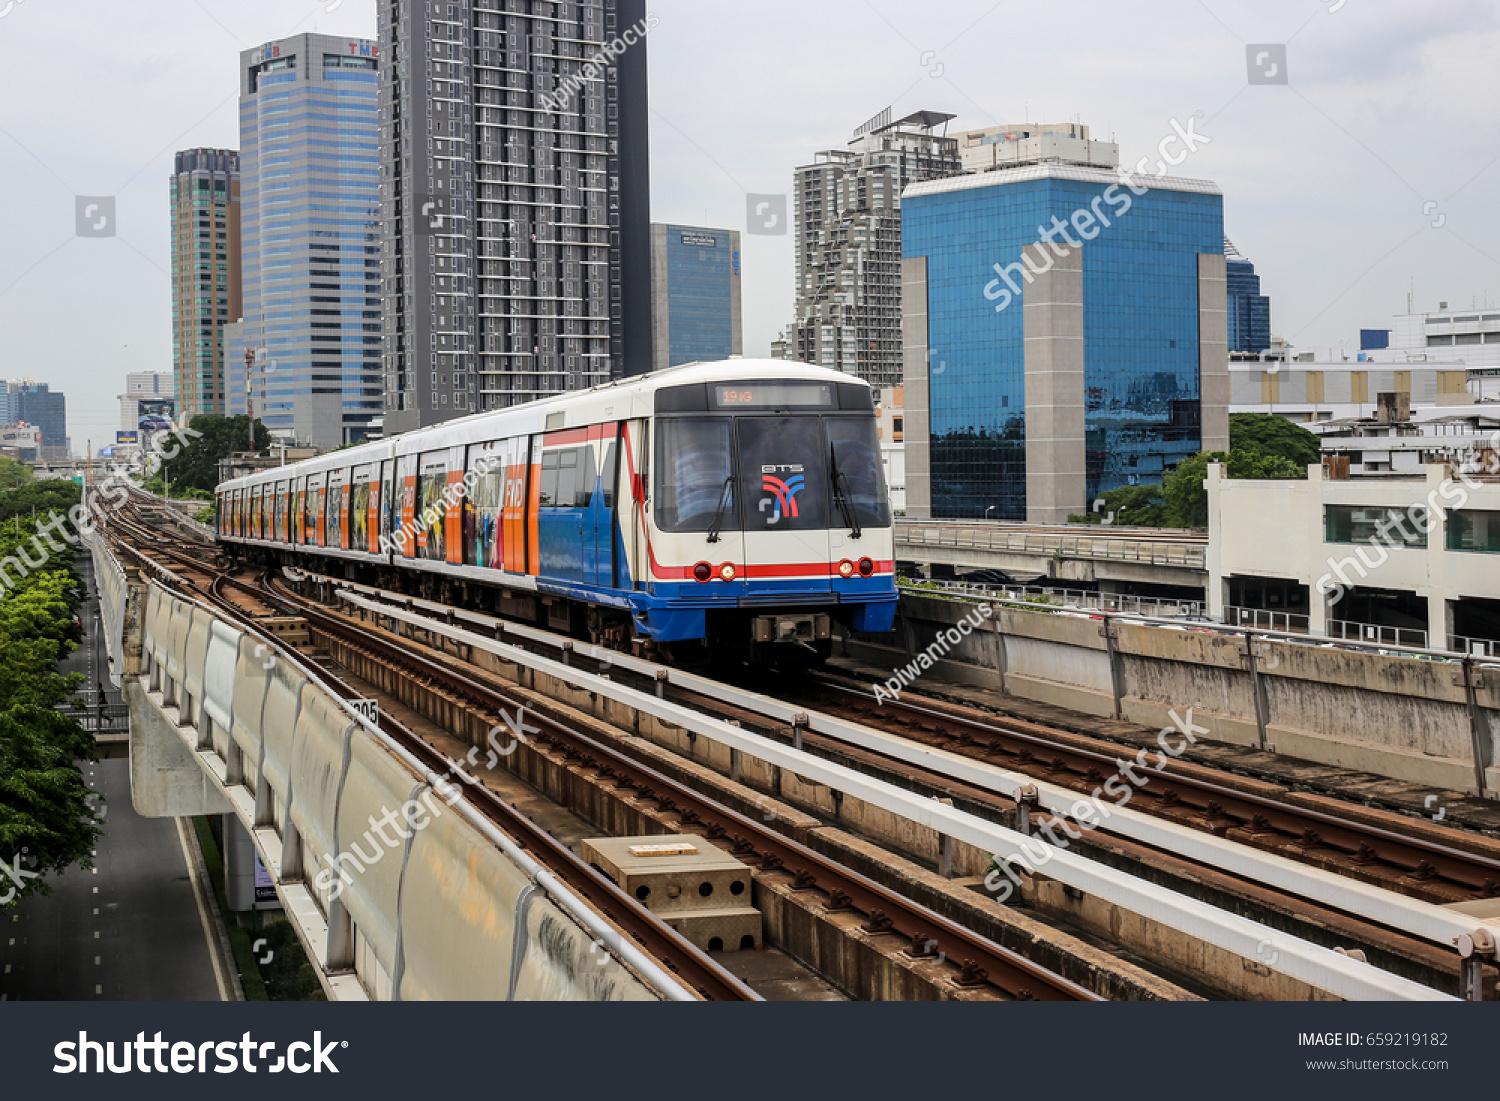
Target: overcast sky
x=1372 y=172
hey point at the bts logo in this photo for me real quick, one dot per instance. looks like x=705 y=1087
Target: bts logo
x=783 y=496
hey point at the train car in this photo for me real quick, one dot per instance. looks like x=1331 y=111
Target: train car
x=739 y=505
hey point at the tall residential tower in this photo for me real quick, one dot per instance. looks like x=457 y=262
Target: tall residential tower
x=205 y=192
x=847 y=220
x=310 y=172
x=515 y=200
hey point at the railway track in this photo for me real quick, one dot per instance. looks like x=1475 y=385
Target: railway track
x=693 y=967
x=977 y=963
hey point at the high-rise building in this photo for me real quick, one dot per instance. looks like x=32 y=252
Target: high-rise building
x=148 y=403
x=1249 y=310
x=36 y=404
x=205 y=274
x=515 y=200
x=310 y=208
x=696 y=313
x=1065 y=335
x=847 y=221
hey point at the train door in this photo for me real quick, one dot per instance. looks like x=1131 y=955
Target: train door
x=599 y=566
x=405 y=518
x=516 y=455
x=787 y=507
x=385 y=517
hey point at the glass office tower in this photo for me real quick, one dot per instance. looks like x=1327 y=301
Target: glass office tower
x=695 y=295
x=310 y=204
x=205 y=191
x=1046 y=365
x=1249 y=310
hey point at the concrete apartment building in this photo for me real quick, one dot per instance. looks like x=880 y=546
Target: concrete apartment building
x=206 y=294
x=515 y=197
x=847 y=225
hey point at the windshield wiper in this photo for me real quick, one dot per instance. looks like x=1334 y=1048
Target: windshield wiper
x=724 y=497
x=845 y=497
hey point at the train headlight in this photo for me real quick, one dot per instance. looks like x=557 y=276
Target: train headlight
x=846 y=568
x=703 y=571
x=726 y=571
x=866 y=567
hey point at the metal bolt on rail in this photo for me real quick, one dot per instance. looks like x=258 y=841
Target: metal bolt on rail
x=1027 y=800
x=1473 y=949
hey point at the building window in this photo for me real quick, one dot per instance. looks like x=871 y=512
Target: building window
x=1393 y=527
x=1474 y=531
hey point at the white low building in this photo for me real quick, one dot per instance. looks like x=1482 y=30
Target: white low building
x=1405 y=559
x=1309 y=392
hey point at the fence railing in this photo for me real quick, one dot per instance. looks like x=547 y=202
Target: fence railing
x=1268 y=620
x=1189 y=555
x=1474 y=647
x=1068 y=598
x=1372 y=633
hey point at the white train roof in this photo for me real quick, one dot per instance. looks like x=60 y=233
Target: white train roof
x=624 y=399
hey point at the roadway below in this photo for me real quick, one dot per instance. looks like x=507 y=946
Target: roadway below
x=129 y=930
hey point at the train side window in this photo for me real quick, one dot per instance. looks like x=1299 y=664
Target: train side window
x=549 y=481
x=567 y=479
x=611 y=474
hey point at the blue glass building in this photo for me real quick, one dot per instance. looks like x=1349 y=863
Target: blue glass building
x=1065 y=335
x=695 y=295
x=310 y=240
x=1249 y=310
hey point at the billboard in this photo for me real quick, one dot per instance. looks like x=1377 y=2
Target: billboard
x=155 y=414
x=127 y=439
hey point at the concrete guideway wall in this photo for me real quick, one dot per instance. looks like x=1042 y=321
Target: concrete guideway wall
x=224 y=721
x=1397 y=716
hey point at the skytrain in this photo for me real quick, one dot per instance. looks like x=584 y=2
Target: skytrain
x=736 y=508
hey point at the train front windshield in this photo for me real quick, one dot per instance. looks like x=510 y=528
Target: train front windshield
x=737 y=469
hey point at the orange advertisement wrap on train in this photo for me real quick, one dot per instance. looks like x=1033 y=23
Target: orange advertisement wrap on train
x=344 y=495
x=513 y=518
x=374 y=514
x=299 y=535
x=322 y=525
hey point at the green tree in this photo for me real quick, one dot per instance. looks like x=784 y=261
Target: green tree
x=1270 y=434
x=1186 y=497
x=1131 y=506
x=14 y=474
x=46 y=821
x=196 y=465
